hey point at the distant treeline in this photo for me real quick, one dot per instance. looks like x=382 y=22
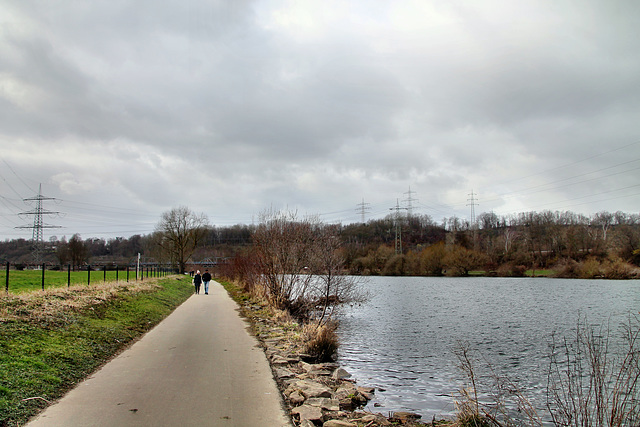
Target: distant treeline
x=571 y=244
x=219 y=241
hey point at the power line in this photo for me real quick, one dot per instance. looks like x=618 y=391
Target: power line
x=540 y=187
x=17 y=176
x=566 y=165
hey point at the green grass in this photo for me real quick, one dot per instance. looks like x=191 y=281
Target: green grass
x=31 y=280
x=539 y=273
x=235 y=292
x=44 y=358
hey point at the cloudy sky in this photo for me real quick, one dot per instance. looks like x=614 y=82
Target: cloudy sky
x=125 y=109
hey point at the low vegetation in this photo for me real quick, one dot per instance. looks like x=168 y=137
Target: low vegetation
x=51 y=340
x=593 y=380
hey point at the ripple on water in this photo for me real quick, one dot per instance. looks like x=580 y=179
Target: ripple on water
x=403 y=339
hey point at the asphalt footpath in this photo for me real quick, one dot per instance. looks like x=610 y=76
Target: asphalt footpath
x=198 y=367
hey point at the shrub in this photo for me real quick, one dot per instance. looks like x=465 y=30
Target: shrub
x=590 y=382
x=431 y=259
x=590 y=269
x=618 y=269
x=320 y=342
x=472 y=420
x=511 y=270
x=567 y=268
x=394 y=266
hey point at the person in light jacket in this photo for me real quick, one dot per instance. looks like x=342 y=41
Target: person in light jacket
x=197 y=280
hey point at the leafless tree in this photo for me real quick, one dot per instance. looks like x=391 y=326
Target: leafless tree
x=331 y=287
x=282 y=245
x=77 y=251
x=178 y=234
x=300 y=265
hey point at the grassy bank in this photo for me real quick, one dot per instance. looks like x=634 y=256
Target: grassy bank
x=31 y=280
x=52 y=340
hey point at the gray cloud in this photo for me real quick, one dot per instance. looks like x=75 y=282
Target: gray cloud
x=234 y=107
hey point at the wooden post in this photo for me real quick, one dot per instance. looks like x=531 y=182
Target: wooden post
x=43 y=265
x=7 y=278
x=68 y=275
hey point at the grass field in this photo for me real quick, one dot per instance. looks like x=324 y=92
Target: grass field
x=31 y=280
x=528 y=273
x=539 y=273
x=52 y=340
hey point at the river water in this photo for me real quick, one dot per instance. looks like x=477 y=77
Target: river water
x=402 y=340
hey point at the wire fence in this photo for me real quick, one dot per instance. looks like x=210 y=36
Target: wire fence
x=17 y=280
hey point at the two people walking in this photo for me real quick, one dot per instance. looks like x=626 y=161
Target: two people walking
x=198 y=280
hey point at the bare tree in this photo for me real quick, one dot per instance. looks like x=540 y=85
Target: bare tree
x=62 y=251
x=604 y=220
x=282 y=245
x=77 y=251
x=300 y=265
x=509 y=235
x=178 y=234
x=331 y=287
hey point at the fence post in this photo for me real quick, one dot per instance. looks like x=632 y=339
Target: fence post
x=116 y=273
x=68 y=275
x=88 y=275
x=43 y=265
x=127 y=274
x=105 y=273
x=7 y=278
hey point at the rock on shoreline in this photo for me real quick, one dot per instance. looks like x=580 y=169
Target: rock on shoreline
x=318 y=394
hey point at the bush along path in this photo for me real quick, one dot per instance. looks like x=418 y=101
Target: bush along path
x=316 y=394
x=51 y=340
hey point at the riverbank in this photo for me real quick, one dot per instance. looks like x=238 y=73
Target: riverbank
x=314 y=393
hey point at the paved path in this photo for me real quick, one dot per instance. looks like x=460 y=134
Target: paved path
x=198 y=367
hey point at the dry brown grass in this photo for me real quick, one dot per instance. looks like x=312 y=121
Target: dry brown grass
x=321 y=342
x=54 y=305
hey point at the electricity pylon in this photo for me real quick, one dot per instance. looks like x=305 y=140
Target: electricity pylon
x=409 y=201
x=37 y=238
x=473 y=204
x=398 y=227
x=363 y=208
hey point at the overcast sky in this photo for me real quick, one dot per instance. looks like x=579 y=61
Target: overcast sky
x=125 y=109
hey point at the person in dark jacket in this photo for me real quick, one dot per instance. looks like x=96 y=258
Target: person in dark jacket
x=197 y=280
x=206 y=278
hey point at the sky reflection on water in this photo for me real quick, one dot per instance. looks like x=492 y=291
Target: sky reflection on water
x=402 y=340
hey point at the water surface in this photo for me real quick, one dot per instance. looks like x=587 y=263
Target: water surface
x=402 y=340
